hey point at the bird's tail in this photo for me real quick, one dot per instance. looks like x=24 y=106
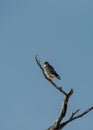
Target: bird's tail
x=58 y=77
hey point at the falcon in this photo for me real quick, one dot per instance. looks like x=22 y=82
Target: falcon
x=50 y=71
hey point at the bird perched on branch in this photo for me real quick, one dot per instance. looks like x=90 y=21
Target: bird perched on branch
x=50 y=71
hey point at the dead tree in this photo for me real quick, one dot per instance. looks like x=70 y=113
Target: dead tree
x=58 y=124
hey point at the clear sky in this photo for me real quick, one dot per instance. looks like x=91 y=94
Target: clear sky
x=59 y=31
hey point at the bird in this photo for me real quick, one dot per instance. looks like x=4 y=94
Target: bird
x=50 y=71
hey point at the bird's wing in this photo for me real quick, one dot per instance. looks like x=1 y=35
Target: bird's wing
x=52 y=70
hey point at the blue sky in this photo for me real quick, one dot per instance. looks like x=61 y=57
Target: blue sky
x=59 y=31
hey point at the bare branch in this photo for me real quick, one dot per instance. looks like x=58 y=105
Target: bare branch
x=75 y=117
x=56 y=125
x=82 y=114
x=64 y=107
x=38 y=62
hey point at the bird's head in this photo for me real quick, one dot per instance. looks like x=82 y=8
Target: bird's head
x=46 y=63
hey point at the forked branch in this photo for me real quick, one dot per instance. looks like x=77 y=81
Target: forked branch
x=73 y=117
